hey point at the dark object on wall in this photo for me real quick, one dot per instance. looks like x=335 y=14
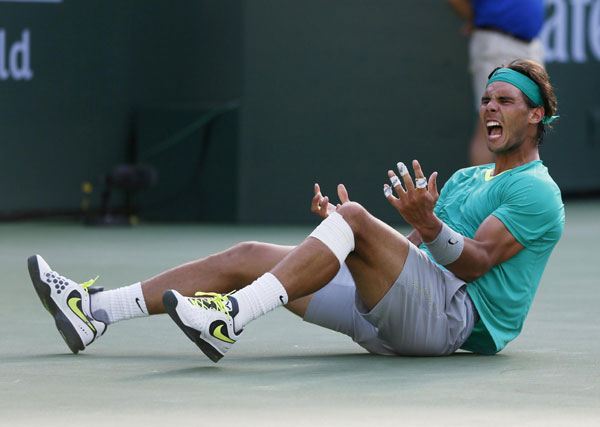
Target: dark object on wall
x=78 y=70
x=194 y=151
x=130 y=179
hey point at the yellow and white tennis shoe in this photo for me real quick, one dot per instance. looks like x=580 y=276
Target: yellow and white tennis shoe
x=68 y=303
x=207 y=319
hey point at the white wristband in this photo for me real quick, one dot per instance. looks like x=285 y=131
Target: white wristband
x=447 y=246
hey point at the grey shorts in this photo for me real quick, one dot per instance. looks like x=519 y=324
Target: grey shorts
x=426 y=312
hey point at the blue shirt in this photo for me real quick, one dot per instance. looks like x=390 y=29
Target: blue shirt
x=521 y=18
x=529 y=204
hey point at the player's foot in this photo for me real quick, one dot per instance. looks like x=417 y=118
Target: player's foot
x=207 y=319
x=68 y=303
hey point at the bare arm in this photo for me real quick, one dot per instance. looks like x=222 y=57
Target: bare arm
x=491 y=245
x=462 y=8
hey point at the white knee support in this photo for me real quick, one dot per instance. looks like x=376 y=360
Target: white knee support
x=336 y=234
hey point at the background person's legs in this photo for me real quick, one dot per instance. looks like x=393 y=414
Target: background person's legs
x=487 y=51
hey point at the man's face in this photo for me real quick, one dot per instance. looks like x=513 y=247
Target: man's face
x=505 y=116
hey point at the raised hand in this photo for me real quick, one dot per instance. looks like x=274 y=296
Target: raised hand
x=320 y=204
x=415 y=201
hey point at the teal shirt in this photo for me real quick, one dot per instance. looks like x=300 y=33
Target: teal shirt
x=529 y=204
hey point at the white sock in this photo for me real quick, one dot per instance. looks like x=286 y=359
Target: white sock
x=119 y=304
x=263 y=295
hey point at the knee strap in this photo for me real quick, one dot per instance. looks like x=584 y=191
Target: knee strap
x=336 y=234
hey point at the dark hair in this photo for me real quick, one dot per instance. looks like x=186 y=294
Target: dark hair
x=538 y=74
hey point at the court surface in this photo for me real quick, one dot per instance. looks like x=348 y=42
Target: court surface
x=283 y=371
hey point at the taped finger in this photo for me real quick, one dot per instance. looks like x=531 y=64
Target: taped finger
x=394 y=180
x=387 y=191
x=421 y=182
x=402 y=169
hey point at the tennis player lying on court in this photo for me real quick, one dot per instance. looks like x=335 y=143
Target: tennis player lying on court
x=464 y=278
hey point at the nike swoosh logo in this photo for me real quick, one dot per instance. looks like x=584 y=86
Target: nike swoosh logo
x=218 y=334
x=72 y=302
x=137 y=301
x=281 y=299
x=450 y=242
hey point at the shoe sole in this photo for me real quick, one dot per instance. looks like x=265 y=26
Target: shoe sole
x=170 y=303
x=64 y=326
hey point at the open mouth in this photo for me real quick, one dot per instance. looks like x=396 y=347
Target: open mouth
x=494 y=129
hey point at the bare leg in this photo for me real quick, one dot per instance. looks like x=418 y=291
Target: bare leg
x=376 y=262
x=378 y=257
x=299 y=305
x=223 y=272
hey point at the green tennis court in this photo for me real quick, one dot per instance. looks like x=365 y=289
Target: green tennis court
x=283 y=371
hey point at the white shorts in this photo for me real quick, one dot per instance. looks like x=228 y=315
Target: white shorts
x=426 y=312
x=490 y=49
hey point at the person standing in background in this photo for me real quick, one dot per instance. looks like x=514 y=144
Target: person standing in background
x=500 y=31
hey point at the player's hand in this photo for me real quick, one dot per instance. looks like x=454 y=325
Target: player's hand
x=320 y=204
x=415 y=200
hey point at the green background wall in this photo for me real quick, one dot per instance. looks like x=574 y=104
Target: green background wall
x=95 y=63
x=341 y=91
x=329 y=91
